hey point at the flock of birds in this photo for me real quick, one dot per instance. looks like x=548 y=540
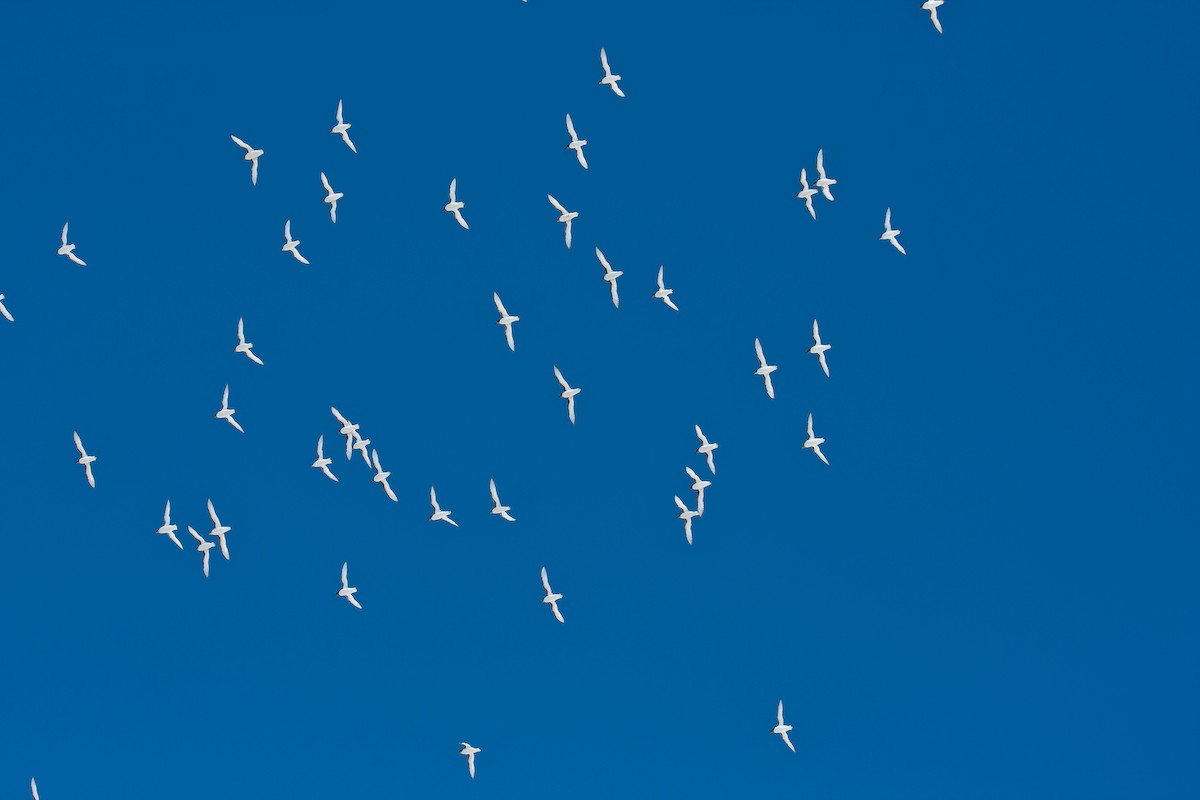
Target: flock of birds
x=355 y=441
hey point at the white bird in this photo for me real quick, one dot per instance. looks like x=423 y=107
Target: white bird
x=764 y=369
x=707 y=449
x=568 y=394
x=932 y=6
x=506 y=320
x=818 y=349
x=291 y=245
x=218 y=530
x=611 y=276
x=783 y=729
x=342 y=127
x=576 y=143
x=806 y=193
x=203 y=547
x=322 y=463
x=5 y=311
x=226 y=412
x=347 y=591
x=382 y=477
x=686 y=514
x=890 y=234
x=360 y=444
x=497 y=508
x=438 y=514
x=167 y=528
x=663 y=292
x=469 y=752
x=551 y=597
x=85 y=460
x=455 y=206
x=823 y=181
x=243 y=346
x=331 y=197
x=33 y=788
x=814 y=443
x=609 y=79
x=348 y=430
x=564 y=217
x=251 y=156
x=698 y=486
x=68 y=250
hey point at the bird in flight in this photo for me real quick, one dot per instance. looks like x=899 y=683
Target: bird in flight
x=814 y=443
x=347 y=591
x=438 y=514
x=8 y=316
x=203 y=547
x=663 y=292
x=322 y=463
x=382 y=477
x=218 y=529
x=818 y=349
x=564 y=217
x=576 y=143
x=226 y=412
x=764 y=369
x=251 y=156
x=86 y=461
x=497 y=508
x=469 y=752
x=568 y=394
x=890 y=234
x=506 y=320
x=331 y=197
x=342 y=127
x=806 y=193
x=349 y=430
x=611 y=276
x=360 y=444
x=686 y=514
x=243 y=346
x=706 y=449
x=455 y=206
x=167 y=528
x=932 y=6
x=551 y=597
x=68 y=250
x=698 y=486
x=291 y=245
x=823 y=181
x=783 y=729
x=609 y=79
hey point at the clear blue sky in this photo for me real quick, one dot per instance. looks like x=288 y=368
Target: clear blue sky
x=990 y=593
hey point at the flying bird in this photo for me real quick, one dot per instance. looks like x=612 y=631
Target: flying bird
x=5 y=311
x=85 y=460
x=576 y=143
x=349 y=430
x=818 y=349
x=806 y=193
x=506 y=320
x=823 y=181
x=783 y=729
x=68 y=250
x=251 y=156
x=469 y=752
x=764 y=369
x=342 y=127
x=218 y=529
x=551 y=597
x=932 y=6
x=381 y=476
x=322 y=463
x=347 y=591
x=814 y=443
x=890 y=234
x=360 y=444
x=663 y=292
x=497 y=508
x=686 y=514
x=564 y=217
x=455 y=206
x=226 y=412
x=203 y=547
x=609 y=79
x=698 y=486
x=611 y=276
x=707 y=449
x=438 y=514
x=291 y=245
x=568 y=394
x=243 y=346
x=167 y=528
x=331 y=197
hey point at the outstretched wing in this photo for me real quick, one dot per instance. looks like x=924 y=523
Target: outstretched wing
x=345 y=583
x=240 y=143
x=571 y=128
x=325 y=183
x=553 y=202
x=492 y=487
x=499 y=305
x=545 y=581
x=604 y=62
x=79 y=445
x=566 y=386
x=762 y=361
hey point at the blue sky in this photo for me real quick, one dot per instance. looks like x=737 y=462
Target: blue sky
x=989 y=593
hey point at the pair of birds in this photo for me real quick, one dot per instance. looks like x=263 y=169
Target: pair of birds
x=225 y=412
x=807 y=193
x=168 y=529
x=818 y=349
x=253 y=153
x=611 y=275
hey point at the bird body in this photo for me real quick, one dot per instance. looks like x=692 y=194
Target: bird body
x=806 y=193
x=455 y=206
x=203 y=547
x=576 y=143
x=252 y=155
x=551 y=598
x=783 y=728
x=68 y=250
x=663 y=292
x=814 y=442
x=564 y=217
x=497 y=508
x=167 y=529
x=243 y=346
x=331 y=197
x=764 y=369
x=291 y=245
x=932 y=7
x=609 y=78
x=568 y=394
x=819 y=348
x=506 y=320
x=85 y=461
x=322 y=463
x=823 y=181
x=687 y=515
x=341 y=129
x=469 y=752
x=706 y=449
x=890 y=233
x=226 y=413
x=347 y=591
x=611 y=276
x=438 y=513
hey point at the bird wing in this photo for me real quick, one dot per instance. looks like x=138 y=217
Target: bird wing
x=692 y=474
x=788 y=742
x=254 y=172
x=195 y=535
x=167 y=514
x=508 y=334
x=617 y=89
x=241 y=331
x=557 y=614
x=898 y=246
x=700 y=435
x=582 y=160
x=770 y=386
x=816 y=333
x=492 y=488
x=670 y=303
x=375 y=461
x=453 y=186
x=354 y=602
x=887 y=220
x=824 y=365
x=549 y=197
x=175 y=540
x=91 y=479
x=604 y=61
x=820 y=455
x=320 y=446
x=803 y=179
x=329 y=474
x=387 y=488
x=225 y=398
x=33 y=788
x=287 y=231
x=661 y=287
x=571 y=408
x=571 y=129
x=810 y=430
x=762 y=361
x=325 y=183
x=933 y=15
x=566 y=386
x=338 y=415
x=339 y=112
x=568 y=234
x=821 y=162
x=7 y=315
x=545 y=581
x=603 y=261
x=212 y=512
x=779 y=714
x=79 y=444
x=680 y=503
x=299 y=257
x=433 y=499
x=345 y=583
x=240 y=143
x=499 y=305
x=616 y=299
x=350 y=144
x=64 y=233
x=458 y=216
